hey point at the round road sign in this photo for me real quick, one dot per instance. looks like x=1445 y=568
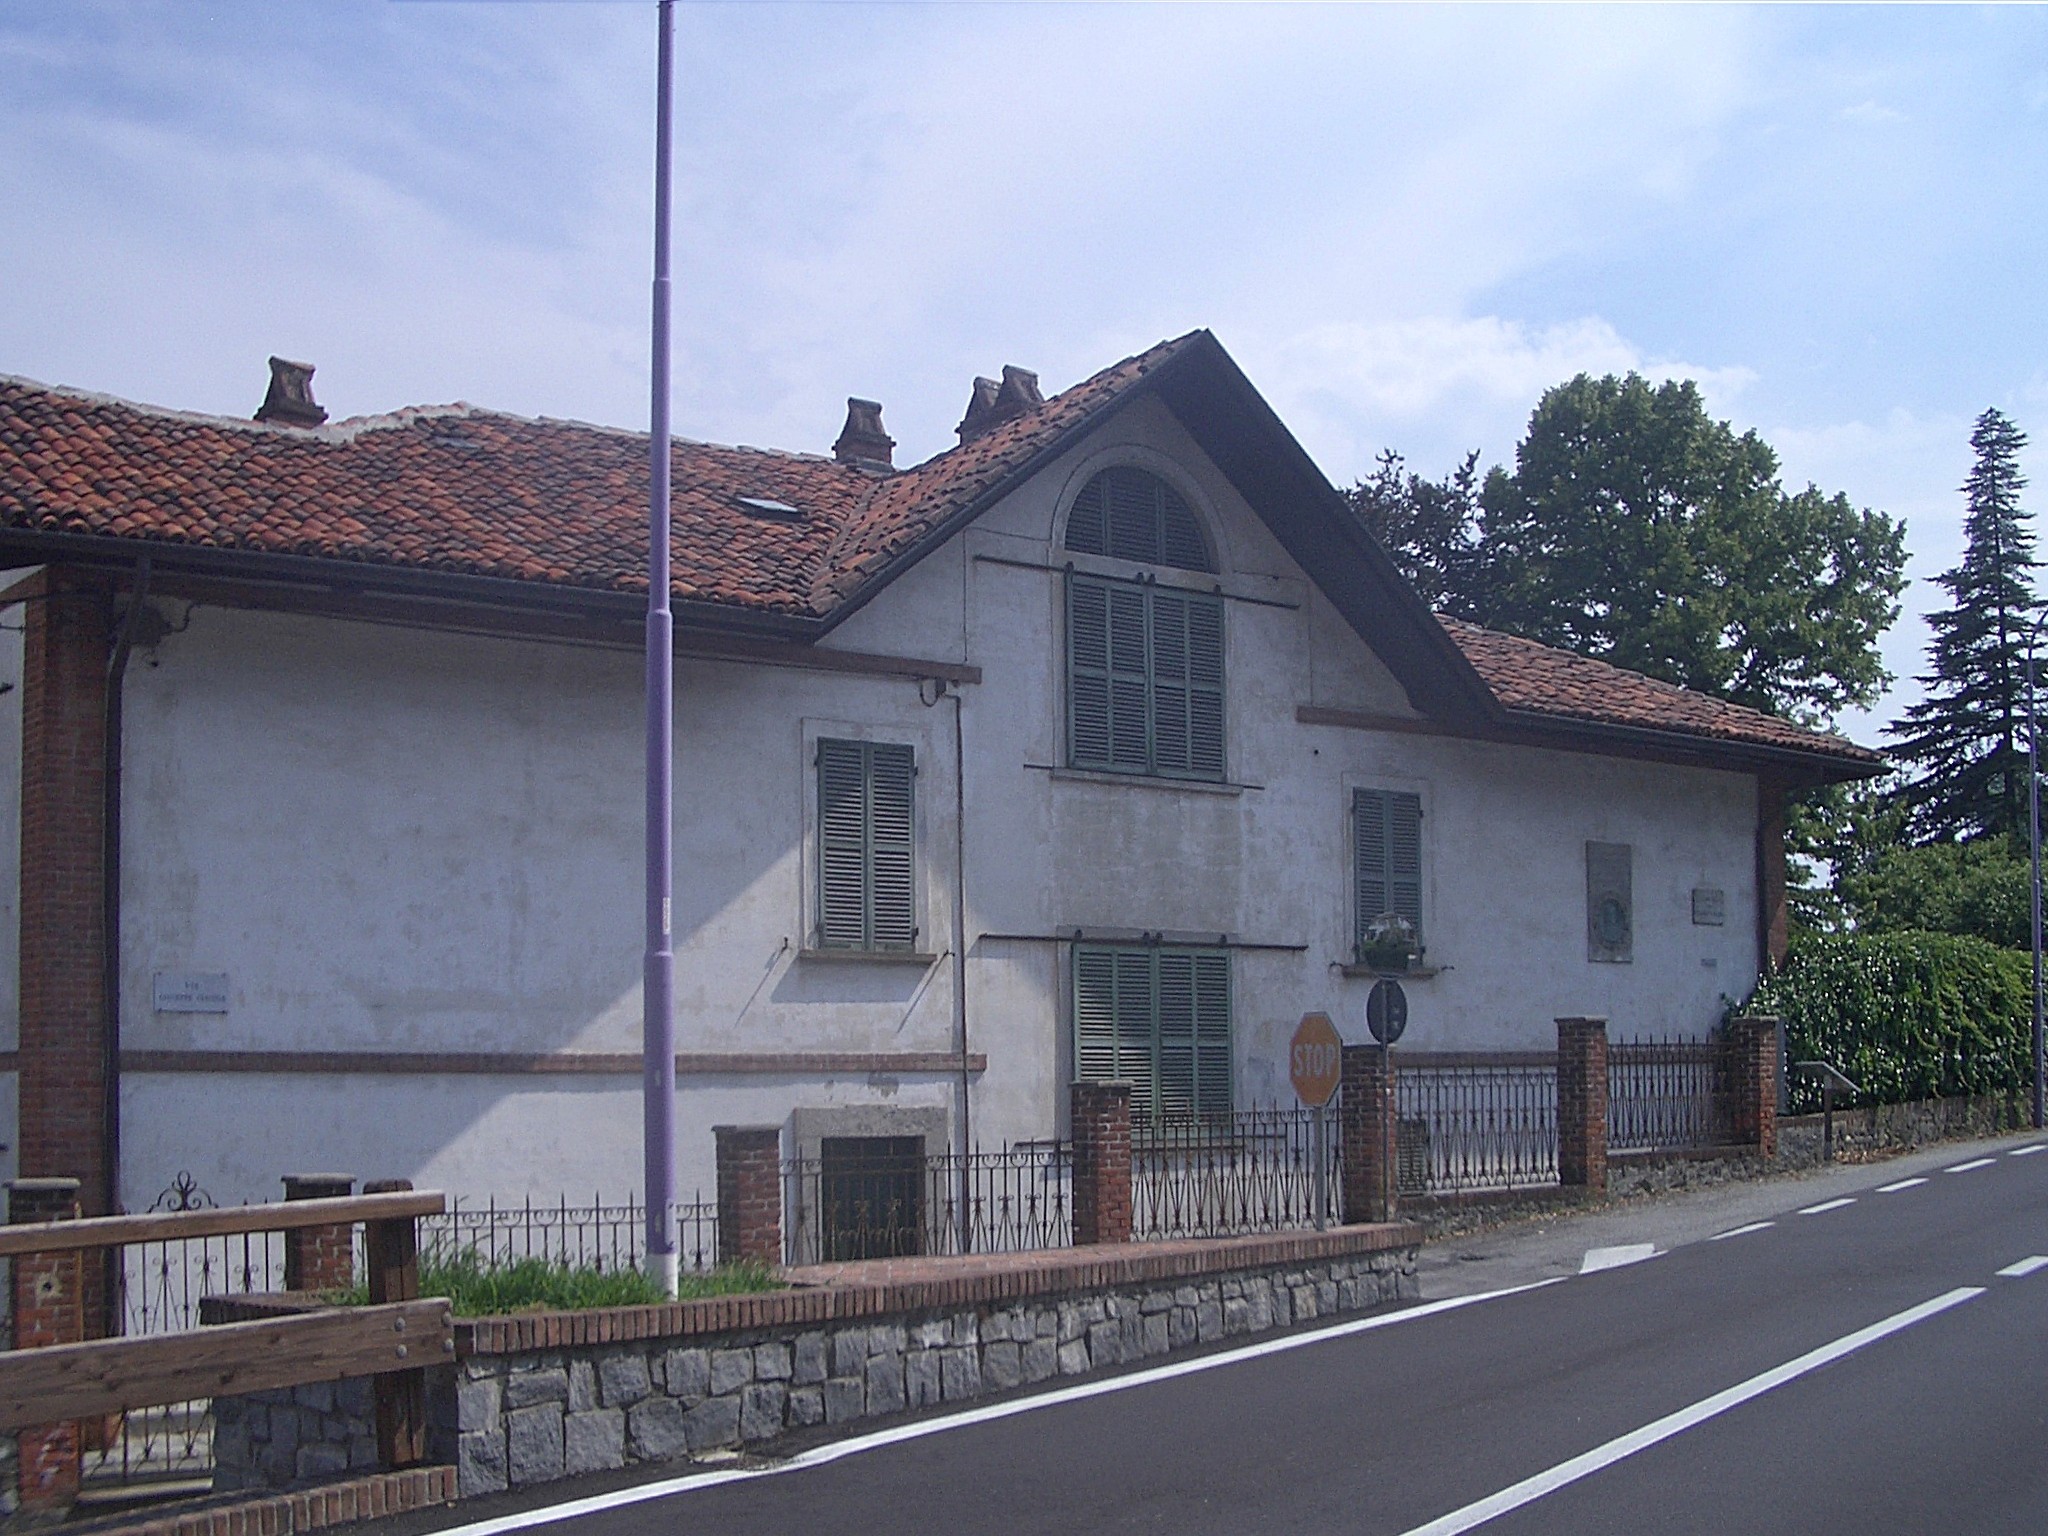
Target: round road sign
x=1315 y=1059
x=1386 y=1010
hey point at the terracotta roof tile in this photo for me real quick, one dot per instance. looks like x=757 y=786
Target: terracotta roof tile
x=1539 y=679
x=562 y=503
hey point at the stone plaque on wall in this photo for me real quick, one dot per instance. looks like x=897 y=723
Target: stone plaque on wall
x=1610 y=903
x=189 y=991
x=1709 y=906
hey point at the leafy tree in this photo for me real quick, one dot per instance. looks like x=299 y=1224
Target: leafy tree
x=1964 y=736
x=1975 y=889
x=1637 y=529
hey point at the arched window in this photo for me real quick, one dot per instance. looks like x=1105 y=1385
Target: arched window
x=1129 y=514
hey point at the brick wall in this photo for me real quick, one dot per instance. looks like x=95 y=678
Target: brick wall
x=63 y=1003
x=1753 y=1080
x=749 y=1193
x=319 y=1258
x=49 y=1308
x=1582 y=1103
x=1101 y=1119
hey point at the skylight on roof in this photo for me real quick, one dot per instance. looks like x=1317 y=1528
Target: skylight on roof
x=764 y=506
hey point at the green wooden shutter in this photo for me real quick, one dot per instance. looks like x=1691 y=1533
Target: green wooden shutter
x=1088 y=736
x=842 y=845
x=1094 y=1015
x=1386 y=857
x=1212 y=1032
x=1180 y=535
x=892 y=908
x=1137 y=1014
x=1133 y=514
x=1130 y=723
x=1169 y=682
x=1177 y=1073
x=1088 y=521
x=1205 y=686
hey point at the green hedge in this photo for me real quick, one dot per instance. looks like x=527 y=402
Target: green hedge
x=1907 y=1015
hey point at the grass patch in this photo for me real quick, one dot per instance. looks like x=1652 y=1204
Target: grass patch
x=532 y=1285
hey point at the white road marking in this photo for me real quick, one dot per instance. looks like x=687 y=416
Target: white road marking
x=1754 y=1226
x=1893 y=1189
x=1975 y=1162
x=2039 y=1146
x=1598 y=1259
x=1600 y=1457
x=2023 y=1268
x=840 y=1449
x=1828 y=1205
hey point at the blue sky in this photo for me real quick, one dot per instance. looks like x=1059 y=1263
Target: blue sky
x=1404 y=222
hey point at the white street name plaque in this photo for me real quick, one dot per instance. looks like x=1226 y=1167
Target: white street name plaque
x=189 y=991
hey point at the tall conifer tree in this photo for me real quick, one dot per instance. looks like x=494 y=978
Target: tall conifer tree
x=1964 y=741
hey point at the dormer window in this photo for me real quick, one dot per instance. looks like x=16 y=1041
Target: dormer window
x=1128 y=514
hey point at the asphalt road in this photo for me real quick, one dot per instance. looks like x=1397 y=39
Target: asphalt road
x=1856 y=1362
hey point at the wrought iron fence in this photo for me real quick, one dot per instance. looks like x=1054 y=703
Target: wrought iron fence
x=1476 y=1121
x=883 y=1197
x=1666 y=1094
x=1218 y=1176
x=609 y=1236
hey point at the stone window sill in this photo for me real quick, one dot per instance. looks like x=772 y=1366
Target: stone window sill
x=867 y=957
x=1373 y=972
x=1145 y=781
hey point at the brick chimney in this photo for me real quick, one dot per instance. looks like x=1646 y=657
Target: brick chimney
x=992 y=404
x=862 y=442
x=290 y=401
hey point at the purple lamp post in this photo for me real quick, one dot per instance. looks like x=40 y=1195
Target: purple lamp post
x=657 y=1028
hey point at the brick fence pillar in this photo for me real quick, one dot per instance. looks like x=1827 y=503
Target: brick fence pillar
x=1101 y=1115
x=1753 y=1081
x=66 y=640
x=319 y=1258
x=49 y=1308
x=1371 y=1145
x=749 y=1193
x=1582 y=1104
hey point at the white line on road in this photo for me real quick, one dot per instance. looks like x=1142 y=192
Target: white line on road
x=1598 y=1259
x=2039 y=1146
x=1531 y=1489
x=825 y=1454
x=1754 y=1226
x=1828 y=1205
x=2023 y=1268
x=1975 y=1162
x=1893 y=1189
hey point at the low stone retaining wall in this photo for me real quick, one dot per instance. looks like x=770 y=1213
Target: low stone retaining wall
x=543 y=1396
x=1894 y=1127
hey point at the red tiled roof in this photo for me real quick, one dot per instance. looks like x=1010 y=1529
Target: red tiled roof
x=1540 y=679
x=562 y=503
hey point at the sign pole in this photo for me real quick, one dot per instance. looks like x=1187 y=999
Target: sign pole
x=1322 y=1166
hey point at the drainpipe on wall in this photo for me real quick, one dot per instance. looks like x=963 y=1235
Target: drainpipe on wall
x=110 y=895
x=960 y=960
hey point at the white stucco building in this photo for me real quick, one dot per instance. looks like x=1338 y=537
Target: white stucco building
x=1093 y=746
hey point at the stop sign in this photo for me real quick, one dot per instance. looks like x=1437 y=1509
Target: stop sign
x=1315 y=1059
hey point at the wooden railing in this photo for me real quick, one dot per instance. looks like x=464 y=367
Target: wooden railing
x=391 y=1340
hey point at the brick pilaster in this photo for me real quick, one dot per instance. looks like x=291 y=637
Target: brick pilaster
x=1368 y=1111
x=319 y=1258
x=749 y=1193
x=1101 y=1118
x=1582 y=1104
x=65 y=650
x=1753 y=1080
x=49 y=1308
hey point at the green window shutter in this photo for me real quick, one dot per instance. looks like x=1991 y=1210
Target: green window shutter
x=1088 y=521
x=1088 y=737
x=1129 y=514
x=892 y=909
x=1136 y=1026
x=1386 y=857
x=1144 y=678
x=1094 y=1015
x=1205 y=686
x=1178 y=1073
x=1212 y=1032
x=866 y=846
x=1130 y=734
x=1133 y=514
x=842 y=845
x=1169 y=682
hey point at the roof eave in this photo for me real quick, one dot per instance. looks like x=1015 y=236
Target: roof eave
x=1799 y=767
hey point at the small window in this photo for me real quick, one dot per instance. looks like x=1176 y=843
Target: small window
x=1129 y=514
x=866 y=885
x=1386 y=862
x=1144 y=679
x=1157 y=1018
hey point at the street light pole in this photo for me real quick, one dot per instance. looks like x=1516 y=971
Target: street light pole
x=2034 y=863
x=658 y=972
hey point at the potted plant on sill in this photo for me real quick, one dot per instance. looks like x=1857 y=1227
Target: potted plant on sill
x=1390 y=944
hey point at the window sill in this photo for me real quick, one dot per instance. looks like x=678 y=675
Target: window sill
x=866 y=957
x=1374 y=973
x=1143 y=780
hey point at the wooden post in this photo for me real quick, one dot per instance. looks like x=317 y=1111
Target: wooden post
x=49 y=1308
x=391 y=1253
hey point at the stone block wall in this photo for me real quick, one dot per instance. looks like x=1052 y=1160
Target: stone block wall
x=295 y=1436
x=518 y=1419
